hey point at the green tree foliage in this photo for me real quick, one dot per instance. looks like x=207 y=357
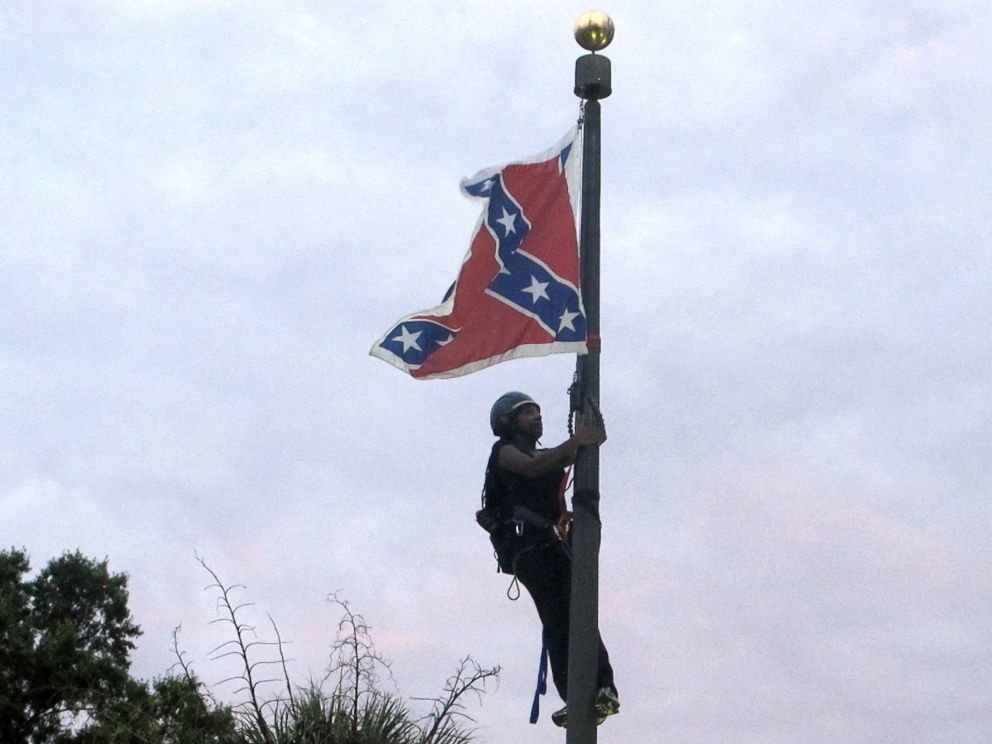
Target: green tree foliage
x=65 y=636
x=172 y=710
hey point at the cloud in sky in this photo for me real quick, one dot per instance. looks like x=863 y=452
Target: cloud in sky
x=211 y=210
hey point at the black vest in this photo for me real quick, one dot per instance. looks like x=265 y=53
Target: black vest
x=539 y=494
x=505 y=491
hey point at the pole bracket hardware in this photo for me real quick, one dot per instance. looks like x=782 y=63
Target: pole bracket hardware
x=593 y=76
x=588 y=502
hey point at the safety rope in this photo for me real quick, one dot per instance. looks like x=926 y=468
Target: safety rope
x=513 y=590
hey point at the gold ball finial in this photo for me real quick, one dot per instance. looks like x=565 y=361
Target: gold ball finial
x=594 y=30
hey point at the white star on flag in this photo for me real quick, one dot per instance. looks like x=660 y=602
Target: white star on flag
x=537 y=290
x=409 y=340
x=566 y=321
x=507 y=221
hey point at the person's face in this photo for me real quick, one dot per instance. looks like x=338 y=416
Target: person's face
x=529 y=421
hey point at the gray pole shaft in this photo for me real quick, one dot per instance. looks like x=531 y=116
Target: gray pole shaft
x=583 y=641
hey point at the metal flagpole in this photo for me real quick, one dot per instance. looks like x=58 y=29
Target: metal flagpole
x=593 y=31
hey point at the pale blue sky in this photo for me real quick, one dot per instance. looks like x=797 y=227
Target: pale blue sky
x=211 y=210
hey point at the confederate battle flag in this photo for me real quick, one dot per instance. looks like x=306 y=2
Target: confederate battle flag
x=518 y=290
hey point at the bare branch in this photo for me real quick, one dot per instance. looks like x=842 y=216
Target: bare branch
x=470 y=677
x=282 y=659
x=241 y=649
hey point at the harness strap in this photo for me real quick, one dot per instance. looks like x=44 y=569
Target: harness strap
x=542 y=682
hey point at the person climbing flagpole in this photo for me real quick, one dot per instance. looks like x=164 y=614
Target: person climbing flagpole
x=593 y=32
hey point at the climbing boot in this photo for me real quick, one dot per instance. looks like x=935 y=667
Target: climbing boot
x=607 y=704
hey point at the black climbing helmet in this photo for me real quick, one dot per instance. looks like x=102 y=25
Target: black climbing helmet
x=501 y=415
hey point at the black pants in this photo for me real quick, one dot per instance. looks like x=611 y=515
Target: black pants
x=546 y=572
